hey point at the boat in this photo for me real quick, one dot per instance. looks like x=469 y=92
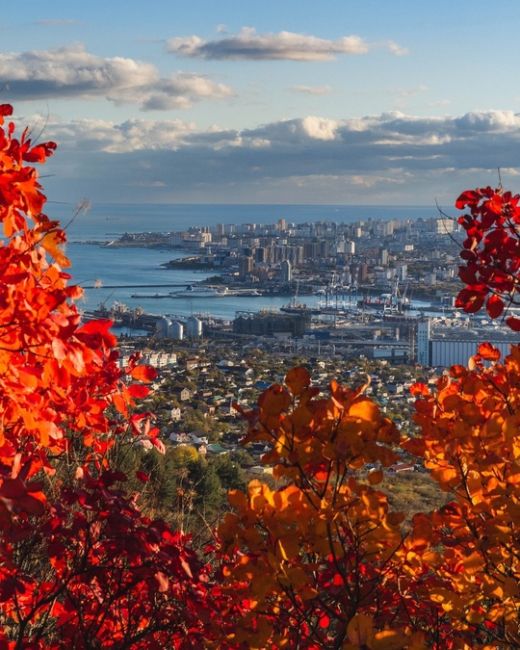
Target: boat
x=299 y=308
x=201 y=292
x=394 y=302
x=150 y=296
x=245 y=293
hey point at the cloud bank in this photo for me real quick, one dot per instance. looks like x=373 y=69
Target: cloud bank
x=392 y=158
x=71 y=72
x=249 y=45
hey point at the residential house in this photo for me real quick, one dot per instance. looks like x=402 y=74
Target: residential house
x=184 y=395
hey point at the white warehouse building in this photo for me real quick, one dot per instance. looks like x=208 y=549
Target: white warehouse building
x=449 y=346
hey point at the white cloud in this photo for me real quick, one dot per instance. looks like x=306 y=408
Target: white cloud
x=490 y=121
x=89 y=135
x=74 y=72
x=352 y=143
x=249 y=45
x=319 y=128
x=397 y=49
x=181 y=91
x=510 y=171
x=312 y=90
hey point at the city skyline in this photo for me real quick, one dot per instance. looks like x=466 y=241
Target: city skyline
x=357 y=102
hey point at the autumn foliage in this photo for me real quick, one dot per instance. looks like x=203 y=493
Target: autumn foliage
x=470 y=441
x=80 y=565
x=316 y=558
x=491 y=255
x=323 y=562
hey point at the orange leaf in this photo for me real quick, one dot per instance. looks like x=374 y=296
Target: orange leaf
x=360 y=630
x=144 y=373
x=52 y=243
x=488 y=352
x=419 y=390
x=364 y=409
x=375 y=476
x=389 y=640
x=120 y=403
x=297 y=380
x=162 y=581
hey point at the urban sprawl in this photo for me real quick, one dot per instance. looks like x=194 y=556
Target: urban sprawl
x=382 y=289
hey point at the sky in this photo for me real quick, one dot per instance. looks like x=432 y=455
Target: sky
x=339 y=101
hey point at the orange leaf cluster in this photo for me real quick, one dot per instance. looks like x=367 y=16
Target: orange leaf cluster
x=322 y=561
x=470 y=441
x=317 y=556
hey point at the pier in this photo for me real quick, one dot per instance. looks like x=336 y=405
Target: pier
x=138 y=286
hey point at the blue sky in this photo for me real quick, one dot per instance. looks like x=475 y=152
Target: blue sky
x=342 y=101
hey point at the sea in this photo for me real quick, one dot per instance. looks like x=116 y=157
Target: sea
x=96 y=265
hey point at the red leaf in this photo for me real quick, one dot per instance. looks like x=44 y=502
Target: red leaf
x=469 y=197
x=514 y=323
x=100 y=327
x=467 y=274
x=138 y=391
x=470 y=301
x=159 y=445
x=494 y=306
x=13 y=488
x=40 y=152
x=142 y=476
x=495 y=204
x=31 y=505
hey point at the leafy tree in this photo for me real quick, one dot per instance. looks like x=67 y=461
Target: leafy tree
x=229 y=472
x=471 y=444
x=80 y=565
x=207 y=485
x=323 y=562
x=491 y=255
x=317 y=561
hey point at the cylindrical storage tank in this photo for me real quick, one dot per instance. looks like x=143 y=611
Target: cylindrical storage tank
x=176 y=331
x=194 y=327
x=162 y=326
